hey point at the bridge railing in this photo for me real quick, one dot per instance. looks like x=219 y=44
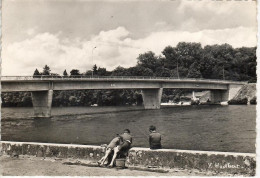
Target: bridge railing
x=82 y=77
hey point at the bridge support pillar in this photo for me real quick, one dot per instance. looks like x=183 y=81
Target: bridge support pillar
x=152 y=98
x=42 y=103
x=225 y=95
x=217 y=96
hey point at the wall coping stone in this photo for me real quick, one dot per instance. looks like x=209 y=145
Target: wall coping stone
x=134 y=148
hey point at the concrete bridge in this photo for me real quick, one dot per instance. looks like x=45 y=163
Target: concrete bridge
x=42 y=88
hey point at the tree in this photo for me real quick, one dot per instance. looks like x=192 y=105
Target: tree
x=65 y=74
x=74 y=73
x=94 y=69
x=140 y=71
x=163 y=72
x=101 y=71
x=148 y=60
x=120 y=71
x=223 y=56
x=88 y=73
x=170 y=60
x=194 y=71
x=36 y=74
x=46 y=70
x=206 y=65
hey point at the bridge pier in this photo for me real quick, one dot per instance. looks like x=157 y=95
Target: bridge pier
x=217 y=96
x=225 y=95
x=42 y=103
x=152 y=98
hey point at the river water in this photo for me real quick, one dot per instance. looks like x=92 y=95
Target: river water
x=209 y=128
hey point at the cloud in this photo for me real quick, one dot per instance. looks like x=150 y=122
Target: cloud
x=113 y=48
x=237 y=37
x=217 y=14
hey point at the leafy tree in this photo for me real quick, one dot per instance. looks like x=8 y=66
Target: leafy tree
x=163 y=72
x=188 y=53
x=140 y=71
x=194 y=71
x=74 y=73
x=171 y=58
x=148 y=60
x=181 y=57
x=101 y=71
x=120 y=71
x=88 y=73
x=206 y=65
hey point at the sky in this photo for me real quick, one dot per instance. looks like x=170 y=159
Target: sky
x=76 y=34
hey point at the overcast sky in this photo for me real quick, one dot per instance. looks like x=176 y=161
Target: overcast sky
x=63 y=33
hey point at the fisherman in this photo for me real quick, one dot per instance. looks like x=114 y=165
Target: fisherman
x=123 y=147
x=114 y=142
x=154 y=138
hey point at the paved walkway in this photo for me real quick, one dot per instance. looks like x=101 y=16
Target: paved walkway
x=36 y=166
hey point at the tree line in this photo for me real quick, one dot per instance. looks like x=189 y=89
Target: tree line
x=186 y=60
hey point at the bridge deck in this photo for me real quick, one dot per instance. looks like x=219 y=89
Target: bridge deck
x=29 y=83
x=113 y=78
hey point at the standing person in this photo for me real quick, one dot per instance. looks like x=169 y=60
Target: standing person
x=154 y=138
x=124 y=146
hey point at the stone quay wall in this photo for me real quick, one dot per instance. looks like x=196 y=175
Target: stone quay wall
x=219 y=162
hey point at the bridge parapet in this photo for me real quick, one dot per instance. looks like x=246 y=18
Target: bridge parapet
x=107 y=78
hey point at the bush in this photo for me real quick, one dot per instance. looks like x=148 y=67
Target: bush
x=253 y=100
x=238 y=101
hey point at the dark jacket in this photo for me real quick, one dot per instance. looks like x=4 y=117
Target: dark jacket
x=155 y=140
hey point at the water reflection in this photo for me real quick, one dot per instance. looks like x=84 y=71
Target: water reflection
x=41 y=122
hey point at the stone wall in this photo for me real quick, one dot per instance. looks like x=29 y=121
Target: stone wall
x=234 y=163
x=219 y=162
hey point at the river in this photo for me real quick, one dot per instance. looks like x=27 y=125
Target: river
x=210 y=128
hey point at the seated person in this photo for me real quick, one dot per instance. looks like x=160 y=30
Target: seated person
x=124 y=146
x=115 y=142
x=154 y=138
